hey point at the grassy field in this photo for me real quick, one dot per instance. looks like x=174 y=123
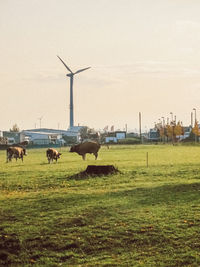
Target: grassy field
x=142 y=216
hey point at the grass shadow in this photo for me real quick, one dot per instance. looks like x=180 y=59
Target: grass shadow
x=165 y=194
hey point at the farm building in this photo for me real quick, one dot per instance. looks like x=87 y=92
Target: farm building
x=113 y=137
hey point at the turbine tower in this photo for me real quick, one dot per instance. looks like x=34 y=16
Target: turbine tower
x=71 y=76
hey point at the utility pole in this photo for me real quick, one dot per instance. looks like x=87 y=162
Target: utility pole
x=191 y=119
x=126 y=127
x=195 y=115
x=163 y=125
x=171 y=116
x=195 y=122
x=140 y=131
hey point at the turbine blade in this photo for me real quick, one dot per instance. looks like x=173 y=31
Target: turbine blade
x=65 y=64
x=81 y=70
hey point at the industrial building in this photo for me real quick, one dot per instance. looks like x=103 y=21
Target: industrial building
x=45 y=136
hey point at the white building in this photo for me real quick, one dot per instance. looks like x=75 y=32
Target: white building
x=113 y=137
x=41 y=138
x=45 y=136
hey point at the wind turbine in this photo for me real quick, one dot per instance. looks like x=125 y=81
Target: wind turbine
x=71 y=76
x=40 y=119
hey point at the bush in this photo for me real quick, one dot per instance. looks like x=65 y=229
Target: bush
x=70 y=139
x=128 y=141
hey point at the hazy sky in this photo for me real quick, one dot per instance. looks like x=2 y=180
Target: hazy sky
x=144 y=57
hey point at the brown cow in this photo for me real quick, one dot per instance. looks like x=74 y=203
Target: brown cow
x=52 y=154
x=87 y=147
x=15 y=152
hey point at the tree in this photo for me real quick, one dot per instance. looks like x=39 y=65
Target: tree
x=169 y=131
x=161 y=131
x=84 y=133
x=178 y=129
x=195 y=129
x=15 y=128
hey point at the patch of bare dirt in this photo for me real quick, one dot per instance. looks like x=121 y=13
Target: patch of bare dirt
x=95 y=170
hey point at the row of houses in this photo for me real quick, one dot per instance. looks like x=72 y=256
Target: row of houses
x=53 y=137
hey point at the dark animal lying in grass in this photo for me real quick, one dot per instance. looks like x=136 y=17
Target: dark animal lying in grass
x=52 y=154
x=87 y=147
x=15 y=152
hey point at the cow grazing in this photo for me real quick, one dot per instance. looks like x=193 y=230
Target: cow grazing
x=87 y=147
x=15 y=152
x=52 y=154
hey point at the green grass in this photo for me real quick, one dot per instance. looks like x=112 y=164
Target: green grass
x=142 y=216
